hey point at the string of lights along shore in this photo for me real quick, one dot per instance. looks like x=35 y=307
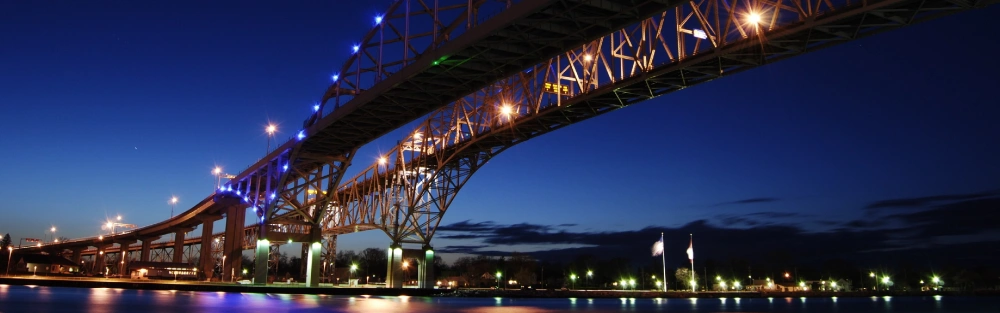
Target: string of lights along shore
x=780 y=126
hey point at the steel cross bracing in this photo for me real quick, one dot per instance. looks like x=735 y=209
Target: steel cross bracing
x=407 y=194
x=404 y=70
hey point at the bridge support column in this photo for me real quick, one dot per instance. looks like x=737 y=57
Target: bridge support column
x=178 y=256
x=99 y=259
x=207 y=266
x=123 y=247
x=260 y=262
x=425 y=275
x=77 y=255
x=146 y=243
x=232 y=249
x=312 y=259
x=394 y=260
x=331 y=257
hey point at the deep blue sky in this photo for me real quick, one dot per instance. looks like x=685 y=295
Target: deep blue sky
x=112 y=107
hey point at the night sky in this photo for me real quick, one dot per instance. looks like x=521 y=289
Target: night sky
x=889 y=143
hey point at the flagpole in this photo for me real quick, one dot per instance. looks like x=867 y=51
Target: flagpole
x=692 y=264
x=663 y=257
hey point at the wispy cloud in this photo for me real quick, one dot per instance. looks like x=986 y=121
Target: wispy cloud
x=919 y=202
x=749 y=201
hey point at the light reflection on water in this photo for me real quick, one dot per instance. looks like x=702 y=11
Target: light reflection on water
x=15 y=299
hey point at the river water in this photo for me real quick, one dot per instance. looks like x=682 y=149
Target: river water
x=15 y=299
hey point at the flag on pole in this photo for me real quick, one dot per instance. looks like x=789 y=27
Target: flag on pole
x=658 y=247
x=690 y=250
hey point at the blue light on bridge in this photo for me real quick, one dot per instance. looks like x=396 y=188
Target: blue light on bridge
x=245 y=199
x=237 y=192
x=272 y=195
x=302 y=134
x=229 y=188
x=284 y=167
x=336 y=76
x=316 y=106
x=356 y=47
x=378 y=19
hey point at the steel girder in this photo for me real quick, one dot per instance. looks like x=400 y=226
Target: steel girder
x=407 y=193
x=427 y=69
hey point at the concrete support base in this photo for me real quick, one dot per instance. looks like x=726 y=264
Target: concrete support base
x=425 y=273
x=394 y=272
x=260 y=262
x=312 y=261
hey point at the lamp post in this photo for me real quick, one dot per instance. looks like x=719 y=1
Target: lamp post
x=217 y=171
x=498 y=279
x=572 y=277
x=354 y=267
x=173 y=201
x=406 y=272
x=270 y=133
x=10 y=252
x=589 y=274
x=53 y=229
x=872 y=275
x=223 y=270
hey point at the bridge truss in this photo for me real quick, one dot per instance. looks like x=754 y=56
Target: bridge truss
x=407 y=192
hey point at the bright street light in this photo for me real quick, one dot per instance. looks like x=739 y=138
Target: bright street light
x=753 y=18
x=270 y=133
x=173 y=201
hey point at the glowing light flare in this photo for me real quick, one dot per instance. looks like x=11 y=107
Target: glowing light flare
x=378 y=19
x=753 y=18
x=587 y=57
x=301 y=135
x=271 y=129
x=173 y=200
x=316 y=106
x=506 y=110
x=217 y=170
x=382 y=160
x=700 y=34
x=355 y=48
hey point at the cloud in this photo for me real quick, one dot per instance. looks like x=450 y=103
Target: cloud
x=755 y=219
x=752 y=236
x=919 y=202
x=462 y=249
x=968 y=217
x=749 y=201
x=467 y=226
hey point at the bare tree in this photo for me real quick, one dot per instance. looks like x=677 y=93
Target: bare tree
x=684 y=277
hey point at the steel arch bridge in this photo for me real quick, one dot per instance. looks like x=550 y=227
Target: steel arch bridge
x=491 y=83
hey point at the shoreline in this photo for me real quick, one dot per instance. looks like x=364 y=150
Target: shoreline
x=474 y=293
